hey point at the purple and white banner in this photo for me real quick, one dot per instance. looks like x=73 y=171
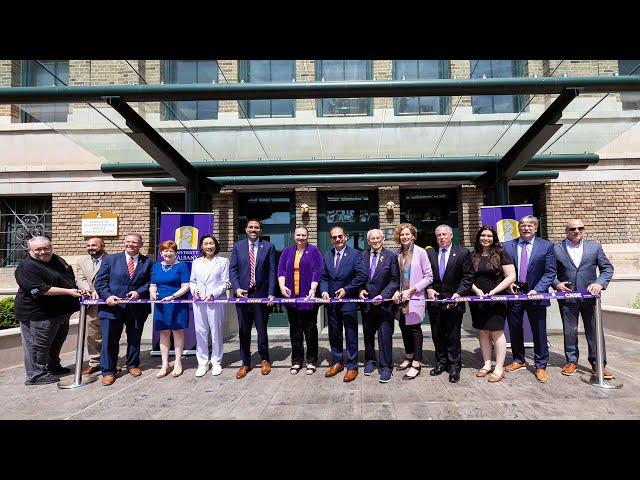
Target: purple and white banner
x=504 y=218
x=184 y=228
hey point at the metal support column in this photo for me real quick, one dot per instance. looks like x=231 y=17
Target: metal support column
x=78 y=379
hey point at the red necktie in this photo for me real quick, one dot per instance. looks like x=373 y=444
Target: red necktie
x=252 y=265
x=131 y=267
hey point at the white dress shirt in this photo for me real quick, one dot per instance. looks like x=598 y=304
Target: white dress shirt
x=575 y=251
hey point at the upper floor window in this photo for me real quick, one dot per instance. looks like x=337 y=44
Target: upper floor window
x=191 y=71
x=20 y=219
x=344 y=70
x=630 y=100
x=45 y=73
x=496 y=69
x=267 y=71
x=420 y=70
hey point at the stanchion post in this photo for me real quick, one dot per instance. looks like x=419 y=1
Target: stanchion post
x=78 y=381
x=597 y=380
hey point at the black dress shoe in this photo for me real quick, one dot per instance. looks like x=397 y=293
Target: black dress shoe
x=437 y=370
x=454 y=376
x=58 y=370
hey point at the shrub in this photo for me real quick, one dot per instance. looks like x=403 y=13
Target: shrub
x=636 y=302
x=7 y=317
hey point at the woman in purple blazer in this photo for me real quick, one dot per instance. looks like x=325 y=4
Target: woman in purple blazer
x=299 y=272
x=415 y=276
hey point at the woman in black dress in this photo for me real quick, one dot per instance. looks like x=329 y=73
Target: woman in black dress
x=494 y=273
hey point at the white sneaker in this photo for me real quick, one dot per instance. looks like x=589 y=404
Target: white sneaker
x=202 y=370
x=216 y=369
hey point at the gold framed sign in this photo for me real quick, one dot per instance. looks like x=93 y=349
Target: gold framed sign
x=101 y=223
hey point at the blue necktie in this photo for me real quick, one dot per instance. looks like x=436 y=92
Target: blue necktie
x=442 y=266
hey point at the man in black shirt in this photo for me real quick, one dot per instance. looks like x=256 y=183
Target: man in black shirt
x=47 y=296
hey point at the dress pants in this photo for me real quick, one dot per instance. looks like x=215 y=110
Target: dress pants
x=537 y=315
x=303 y=323
x=569 y=312
x=248 y=315
x=208 y=316
x=349 y=319
x=446 y=325
x=412 y=338
x=112 y=331
x=381 y=321
x=42 y=341
x=94 y=336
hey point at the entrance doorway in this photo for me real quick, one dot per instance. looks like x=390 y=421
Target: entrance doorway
x=276 y=213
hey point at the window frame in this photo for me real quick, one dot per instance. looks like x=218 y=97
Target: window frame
x=244 y=70
x=444 y=71
x=169 y=70
x=320 y=101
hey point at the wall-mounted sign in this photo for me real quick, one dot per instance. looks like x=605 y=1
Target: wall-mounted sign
x=101 y=223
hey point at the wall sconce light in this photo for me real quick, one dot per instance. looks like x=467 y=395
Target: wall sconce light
x=304 y=208
x=390 y=206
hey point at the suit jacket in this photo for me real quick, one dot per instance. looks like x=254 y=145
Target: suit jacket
x=421 y=278
x=385 y=281
x=541 y=268
x=584 y=274
x=265 y=274
x=85 y=275
x=350 y=275
x=209 y=278
x=113 y=279
x=458 y=273
x=311 y=265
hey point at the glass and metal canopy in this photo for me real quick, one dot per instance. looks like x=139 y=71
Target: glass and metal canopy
x=560 y=120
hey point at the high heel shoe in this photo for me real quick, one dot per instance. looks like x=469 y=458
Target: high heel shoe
x=163 y=372
x=176 y=372
x=402 y=366
x=406 y=376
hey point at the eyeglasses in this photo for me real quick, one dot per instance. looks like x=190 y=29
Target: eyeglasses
x=337 y=237
x=575 y=229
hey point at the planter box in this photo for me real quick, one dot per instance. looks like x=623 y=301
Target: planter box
x=11 y=344
x=621 y=321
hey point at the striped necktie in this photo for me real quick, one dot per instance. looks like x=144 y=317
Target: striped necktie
x=252 y=265
x=131 y=267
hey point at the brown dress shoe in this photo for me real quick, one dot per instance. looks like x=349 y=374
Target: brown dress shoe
x=135 y=372
x=569 y=369
x=108 y=379
x=89 y=370
x=606 y=374
x=334 y=370
x=512 y=367
x=266 y=367
x=542 y=375
x=243 y=371
x=350 y=375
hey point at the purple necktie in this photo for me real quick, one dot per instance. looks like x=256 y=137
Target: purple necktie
x=338 y=256
x=372 y=268
x=524 y=262
x=442 y=266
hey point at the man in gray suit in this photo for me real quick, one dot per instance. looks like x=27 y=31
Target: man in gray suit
x=87 y=267
x=577 y=261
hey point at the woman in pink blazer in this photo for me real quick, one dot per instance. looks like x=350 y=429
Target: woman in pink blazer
x=415 y=277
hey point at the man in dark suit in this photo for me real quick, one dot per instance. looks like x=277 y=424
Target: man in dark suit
x=383 y=280
x=577 y=262
x=342 y=277
x=252 y=272
x=452 y=277
x=123 y=275
x=535 y=262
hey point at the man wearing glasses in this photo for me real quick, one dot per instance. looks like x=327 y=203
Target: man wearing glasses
x=577 y=261
x=343 y=275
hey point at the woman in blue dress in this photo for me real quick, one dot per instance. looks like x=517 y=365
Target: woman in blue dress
x=169 y=281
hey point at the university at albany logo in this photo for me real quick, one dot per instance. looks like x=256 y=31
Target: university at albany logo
x=187 y=238
x=507 y=229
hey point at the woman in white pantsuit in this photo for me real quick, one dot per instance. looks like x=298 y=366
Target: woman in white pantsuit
x=209 y=280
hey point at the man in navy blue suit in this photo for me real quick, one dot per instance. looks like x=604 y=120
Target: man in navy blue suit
x=123 y=275
x=252 y=272
x=342 y=277
x=383 y=280
x=535 y=262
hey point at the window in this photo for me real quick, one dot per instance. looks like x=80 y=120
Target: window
x=191 y=71
x=20 y=219
x=496 y=69
x=426 y=209
x=267 y=71
x=419 y=70
x=630 y=100
x=344 y=70
x=35 y=74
